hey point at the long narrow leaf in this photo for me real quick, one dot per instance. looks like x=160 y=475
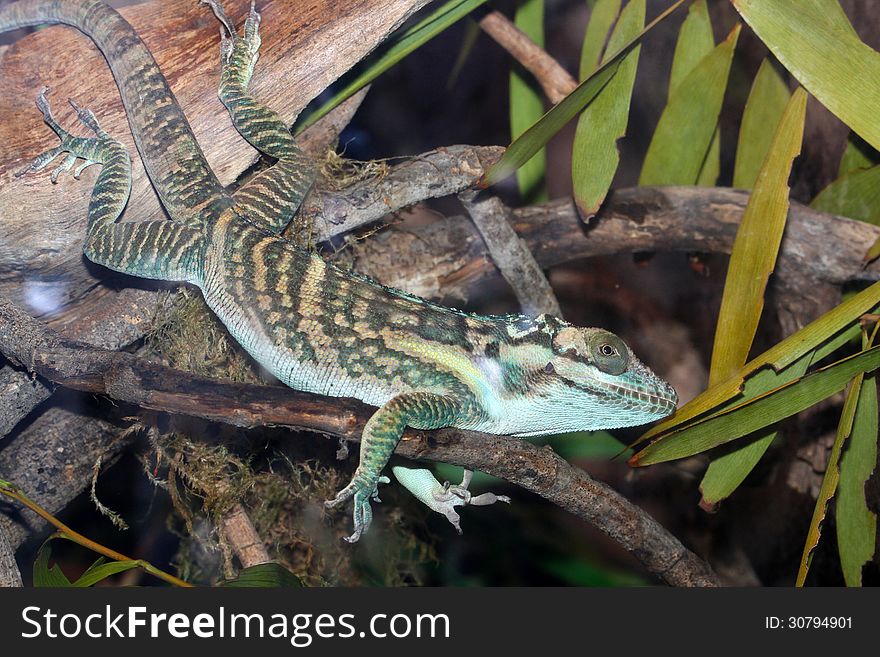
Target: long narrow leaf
x=687 y=126
x=602 y=17
x=43 y=575
x=857 y=155
x=767 y=100
x=856 y=523
x=855 y=195
x=755 y=414
x=830 y=480
x=778 y=357
x=603 y=122
x=522 y=149
x=814 y=40
x=397 y=47
x=527 y=105
x=102 y=570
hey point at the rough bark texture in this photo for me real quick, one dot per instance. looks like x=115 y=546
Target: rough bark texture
x=306 y=46
x=9 y=574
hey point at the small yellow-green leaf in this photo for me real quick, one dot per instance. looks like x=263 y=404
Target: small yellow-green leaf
x=527 y=105
x=602 y=17
x=856 y=523
x=395 y=49
x=45 y=576
x=827 y=327
x=830 y=479
x=756 y=414
x=603 y=121
x=533 y=139
x=855 y=195
x=857 y=155
x=101 y=570
x=814 y=40
x=756 y=246
x=687 y=124
x=264 y=575
x=767 y=100
x=695 y=41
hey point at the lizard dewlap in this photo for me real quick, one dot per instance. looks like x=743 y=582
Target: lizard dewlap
x=315 y=327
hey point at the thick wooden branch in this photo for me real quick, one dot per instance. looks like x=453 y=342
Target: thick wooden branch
x=126 y=378
x=9 y=574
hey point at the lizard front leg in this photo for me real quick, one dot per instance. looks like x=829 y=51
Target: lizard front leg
x=420 y=410
x=152 y=249
x=271 y=198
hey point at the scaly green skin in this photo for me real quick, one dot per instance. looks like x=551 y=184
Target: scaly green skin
x=315 y=327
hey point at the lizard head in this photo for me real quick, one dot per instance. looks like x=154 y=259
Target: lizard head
x=581 y=379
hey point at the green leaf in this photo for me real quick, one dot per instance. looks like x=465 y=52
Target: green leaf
x=587 y=445
x=855 y=195
x=577 y=572
x=858 y=155
x=856 y=523
x=468 y=41
x=265 y=575
x=398 y=46
x=695 y=41
x=43 y=575
x=767 y=100
x=830 y=479
x=101 y=570
x=755 y=414
x=756 y=246
x=814 y=40
x=527 y=105
x=533 y=139
x=827 y=327
x=686 y=128
x=603 y=121
x=601 y=19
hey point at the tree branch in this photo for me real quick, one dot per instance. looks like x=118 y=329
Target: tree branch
x=124 y=377
x=9 y=574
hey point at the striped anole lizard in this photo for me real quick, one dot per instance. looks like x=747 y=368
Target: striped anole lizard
x=315 y=327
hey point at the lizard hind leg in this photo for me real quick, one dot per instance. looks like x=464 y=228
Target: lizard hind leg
x=272 y=197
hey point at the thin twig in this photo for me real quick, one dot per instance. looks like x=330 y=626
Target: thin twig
x=555 y=81
x=12 y=491
x=510 y=254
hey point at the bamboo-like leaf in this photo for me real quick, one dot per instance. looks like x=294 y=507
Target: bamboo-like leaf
x=778 y=357
x=756 y=246
x=468 y=41
x=857 y=155
x=533 y=139
x=103 y=569
x=831 y=478
x=264 y=575
x=45 y=576
x=527 y=105
x=602 y=17
x=767 y=100
x=398 y=46
x=686 y=128
x=814 y=40
x=756 y=414
x=856 y=523
x=695 y=41
x=855 y=195
x=603 y=121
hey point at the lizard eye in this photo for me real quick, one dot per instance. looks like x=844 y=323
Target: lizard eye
x=609 y=353
x=549 y=369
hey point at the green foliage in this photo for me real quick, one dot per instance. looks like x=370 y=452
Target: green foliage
x=527 y=105
x=264 y=575
x=814 y=40
x=602 y=17
x=681 y=142
x=767 y=100
x=603 y=121
x=398 y=46
x=44 y=576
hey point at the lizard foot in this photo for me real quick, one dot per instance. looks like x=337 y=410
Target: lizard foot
x=238 y=52
x=443 y=498
x=92 y=150
x=363 y=489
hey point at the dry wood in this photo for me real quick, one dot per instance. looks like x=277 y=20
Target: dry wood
x=555 y=81
x=126 y=378
x=9 y=574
